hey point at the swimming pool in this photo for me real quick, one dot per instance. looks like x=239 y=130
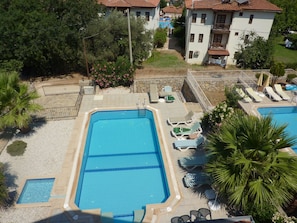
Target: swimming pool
x=283 y=115
x=36 y=191
x=291 y=87
x=122 y=168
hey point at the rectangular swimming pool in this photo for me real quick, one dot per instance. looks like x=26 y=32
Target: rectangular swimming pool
x=283 y=115
x=122 y=168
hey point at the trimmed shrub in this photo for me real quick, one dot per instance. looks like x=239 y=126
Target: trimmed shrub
x=160 y=37
x=17 y=148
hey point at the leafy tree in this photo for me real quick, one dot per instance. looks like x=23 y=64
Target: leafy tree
x=107 y=38
x=180 y=29
x=160 y=37
x=232 y=97
x=247 y=165
x=163 y=4
x=44 y=35
x=17 y=102
x=255 y=52
x=277 y=70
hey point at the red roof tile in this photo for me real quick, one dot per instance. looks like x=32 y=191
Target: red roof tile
x=172 y=9
x=130 y=3
x=259 y=5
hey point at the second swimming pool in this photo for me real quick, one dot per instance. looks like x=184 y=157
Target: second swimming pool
x=283 y=115
x=122 y=168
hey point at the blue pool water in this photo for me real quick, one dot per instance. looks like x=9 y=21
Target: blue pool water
x=122 y=168
x=165 y=23
x=36 y=190
x=291 y=87
x=283 y=115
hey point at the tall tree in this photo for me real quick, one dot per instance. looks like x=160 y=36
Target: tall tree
x=106 y=38
x=247 y=165
x=255 y=52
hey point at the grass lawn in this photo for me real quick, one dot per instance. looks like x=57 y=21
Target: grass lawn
x=281 y=53
x=165 y=59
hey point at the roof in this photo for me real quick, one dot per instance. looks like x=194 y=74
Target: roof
x=130 y=3
x=217 y=5
x=218 y=52
x=172 y=9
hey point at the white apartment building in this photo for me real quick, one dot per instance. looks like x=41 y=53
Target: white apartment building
x=148 y=9
x=216 y=28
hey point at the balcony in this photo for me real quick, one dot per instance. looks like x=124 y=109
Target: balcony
x=217 y=46
x=221 y=28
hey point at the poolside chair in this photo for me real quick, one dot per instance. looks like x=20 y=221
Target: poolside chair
x=186 y=218
x=253 y=94
x=154 y=96
x=166 y=91
x=244 y=97
x=196 y=179
x=187 y=119
x=177 y=220
x=182 y=131
x=186 y=144
x=278 y=89
x=191 y=163
x=271 y=94
x=200 y=214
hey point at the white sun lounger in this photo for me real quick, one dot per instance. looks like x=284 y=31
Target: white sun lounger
x=271 y=94
x=181 y=131
x=187 y=119
x=154 y=96
x=244 y=97
x=196 y=179
x=186 y=144
x=278 y=89
x=192 y=162
x=253 y=94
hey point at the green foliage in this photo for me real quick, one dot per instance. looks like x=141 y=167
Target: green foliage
x=160 y=37
x=163 y=4
x=3 y=188
x=262 y=215
x=180 y=29
x=17 y=148
x=232 y=97
x=290 y=77
x=44 y=35
x=17 y=102
x=293 y=39
x=211 y=121
x=113 y=74
x=108 y=38
x=11 y=66
x=247 y=165
x=277 y=70
x=164 y=60
x=254 y=53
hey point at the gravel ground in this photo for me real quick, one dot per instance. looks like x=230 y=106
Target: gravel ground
x=46 y=147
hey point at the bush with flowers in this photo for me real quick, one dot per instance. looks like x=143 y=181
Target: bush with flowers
x=113 y=74
x=213 y=119
x=282 y=218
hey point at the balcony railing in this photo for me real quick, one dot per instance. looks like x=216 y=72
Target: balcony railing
x=221 y=26
x=216 y=45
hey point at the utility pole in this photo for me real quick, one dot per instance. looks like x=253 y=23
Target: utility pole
x=129 y=34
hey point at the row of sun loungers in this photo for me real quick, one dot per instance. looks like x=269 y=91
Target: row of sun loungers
x=275 y=94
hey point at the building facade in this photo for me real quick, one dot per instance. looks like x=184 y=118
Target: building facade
x=216 y=28
x=148 y=9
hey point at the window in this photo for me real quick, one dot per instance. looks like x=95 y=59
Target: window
x=221 y=19
x=217 y=38
x=251 y=19
x=200 y=39
x=194 y=17
x=203 y=18
x=138 y=14
x=236 y=33
x=192 y=37
x=240 y=13
x=246 y=39
x=147 y=16
x=190 y=54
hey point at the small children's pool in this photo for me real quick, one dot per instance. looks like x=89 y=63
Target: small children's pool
x=36 y=191
x=283 y=115
x=291 y=87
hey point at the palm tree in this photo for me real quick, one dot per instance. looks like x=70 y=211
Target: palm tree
x=247 y=165
x=18 y=104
